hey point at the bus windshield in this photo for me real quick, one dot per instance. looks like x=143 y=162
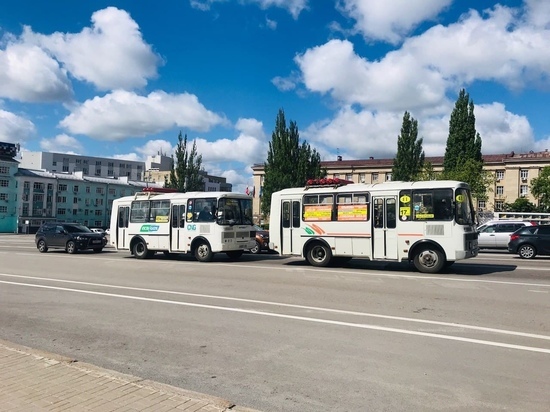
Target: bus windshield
x=234 y=211
x=464 y=210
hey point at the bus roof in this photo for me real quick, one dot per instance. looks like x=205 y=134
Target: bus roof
x=180 y=195
x=374 y=187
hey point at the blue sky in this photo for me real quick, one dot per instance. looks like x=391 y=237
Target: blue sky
x=122 y=78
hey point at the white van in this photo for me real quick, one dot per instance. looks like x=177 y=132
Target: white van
x=495 y=234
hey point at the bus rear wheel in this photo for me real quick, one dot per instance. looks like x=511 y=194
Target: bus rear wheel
x=140 y=250
x=203 y=252
x=429 y=260
x=319 y=255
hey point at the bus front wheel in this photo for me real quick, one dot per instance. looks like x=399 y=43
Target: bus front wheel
x=140 y=250
x=429 y=260
x=203 y=252
x=319 y=255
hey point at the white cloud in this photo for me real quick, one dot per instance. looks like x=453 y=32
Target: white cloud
x=397 y=82
x=270 y=24
x=15 y=129
x=28 y=74
x=154 y=147
x=61 y=143
x=249 y=147
x=538 y=12
x=390 y=20
x=121 y=114
x=129 y=156
x=294 y=7
x=284 y=83
x=111 y=54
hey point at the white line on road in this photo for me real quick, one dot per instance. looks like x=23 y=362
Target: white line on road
x=309 y=319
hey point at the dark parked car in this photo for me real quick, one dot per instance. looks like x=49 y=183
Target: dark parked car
x=262 y=240
x=69 y=236
x=530 y=241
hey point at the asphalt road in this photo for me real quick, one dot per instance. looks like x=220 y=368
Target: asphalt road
x=275 y=334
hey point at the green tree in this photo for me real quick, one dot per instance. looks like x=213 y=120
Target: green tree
x=185 y=173
x=408 y=163
x=521 y=204
x=428 y=172
x=463 y=160
x=540 y=187
x=289 y=163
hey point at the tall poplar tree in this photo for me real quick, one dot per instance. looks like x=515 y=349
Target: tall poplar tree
x=463 y=160
x=184 y=175
x=408 y=163
x=289 y=163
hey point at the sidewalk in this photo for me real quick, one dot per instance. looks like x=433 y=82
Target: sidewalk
x=31 y=380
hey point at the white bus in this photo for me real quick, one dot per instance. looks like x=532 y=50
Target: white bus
x=330 y=220
x=201 y=223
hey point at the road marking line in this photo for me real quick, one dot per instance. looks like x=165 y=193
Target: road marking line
x=288 y=305
x=301 y=318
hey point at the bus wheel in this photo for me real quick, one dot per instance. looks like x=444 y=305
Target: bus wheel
x=319 y=255
x=429 y=260
x=203 y=252
x=140 y=250
x=234 y=254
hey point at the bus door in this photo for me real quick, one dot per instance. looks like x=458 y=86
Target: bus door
x=384 y=233
x=291 y=215
x=123 y=217
x=178 y=235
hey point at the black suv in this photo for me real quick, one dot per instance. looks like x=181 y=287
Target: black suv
x=69 y=236
x=530 y=241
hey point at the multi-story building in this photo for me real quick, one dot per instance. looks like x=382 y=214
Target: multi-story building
x=513 y=173
x=88 y=165
x=68 y=197
x=8 y=188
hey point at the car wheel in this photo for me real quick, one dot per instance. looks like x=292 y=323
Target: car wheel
x=256 y=249
x=140 y=250
x=71 y=247
x=41 y=246
x=319 y=255
x=429 y=260
x=527 y=252
x=98 y=249
x=203 y=252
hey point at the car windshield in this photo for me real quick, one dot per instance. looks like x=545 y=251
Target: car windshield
x=76 y=229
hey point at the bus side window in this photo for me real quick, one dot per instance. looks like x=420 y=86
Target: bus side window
x=285 y=214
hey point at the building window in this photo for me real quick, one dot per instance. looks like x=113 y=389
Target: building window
x=54 y=163
x=85 y=170
x=98 y=162
x=98 y=212
x=388 y=177
x=3 y=209
x=110 y=172
x=25 y=209
x=75 y=199
x=61 y=199
x=38 y=186
x=361 y=178
x=85 y=212
x=78 y=161
x=524 y=174
x=111 y=164
x=75 y=211
x=336 y=175
x=50 y=186
x=4 y=170
x=85 y=162
x=4 y=196
x=524 y=190
x=375 y=177
x=38 y=197
x=62 y=187
x=25 y=197
x=481 y=204
x=500 y=174
x=26 y=185
x=499 y=205
x=99 y=190
x=88 y=189
x=4 y=183
x=75 y=188
x=61 y=211
x=65 y=168
x=349 y=176
x=112 y=191
x=500 y=190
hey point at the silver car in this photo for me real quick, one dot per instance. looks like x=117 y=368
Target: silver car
x=496 y=233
